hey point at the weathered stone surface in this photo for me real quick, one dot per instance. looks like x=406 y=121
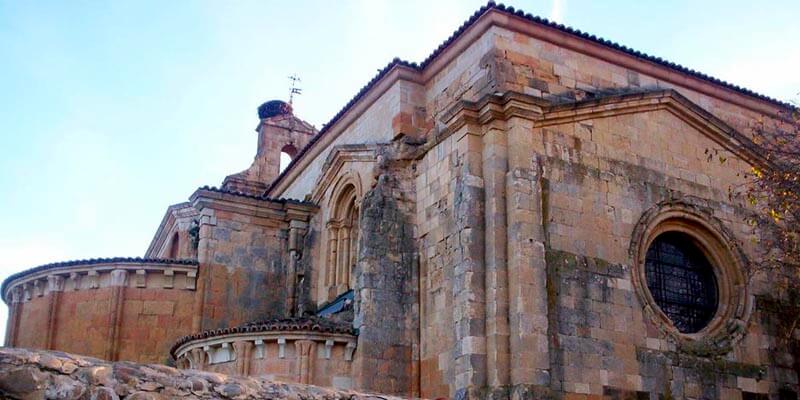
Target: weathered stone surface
x=492 y=202
x=386 y=284
x=23 y=383
x=28 y=375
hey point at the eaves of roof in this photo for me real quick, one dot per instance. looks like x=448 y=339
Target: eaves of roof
x=511 y=11
x=95 y=261
x=297 y=324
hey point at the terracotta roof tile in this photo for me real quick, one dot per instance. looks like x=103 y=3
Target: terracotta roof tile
x=308 y=324
x=262 y=197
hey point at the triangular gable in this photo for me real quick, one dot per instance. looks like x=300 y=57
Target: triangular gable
x=510 y=18
x=167 y=227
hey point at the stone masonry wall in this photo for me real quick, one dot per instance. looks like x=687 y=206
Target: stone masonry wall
x=601 y=176
x=373 y=126
x=552 y=256
x=152 y=322
x=659 y=148
x=542 y=69
x=34 y=316
x=119 y=315
x=437 y=234
x=244 y=259
x=386 y=286
x=544 y=300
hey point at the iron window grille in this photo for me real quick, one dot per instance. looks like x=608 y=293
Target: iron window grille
x=681 y=281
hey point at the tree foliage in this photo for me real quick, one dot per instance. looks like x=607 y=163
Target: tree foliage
x=773 y=190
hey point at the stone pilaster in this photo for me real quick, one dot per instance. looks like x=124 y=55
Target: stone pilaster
x=495 y=166
x=468 y=285
x=55 y=285
x=527 y=272
x=205 y=249
x=14 y=315
x=119 y=279
x=197 y=359
x=297 y=230
x=243 y=350
x=306 y=352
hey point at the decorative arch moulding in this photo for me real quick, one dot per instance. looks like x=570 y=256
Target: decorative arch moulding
x=734 y=305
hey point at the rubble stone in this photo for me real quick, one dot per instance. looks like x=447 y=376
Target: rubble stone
x=27 y=375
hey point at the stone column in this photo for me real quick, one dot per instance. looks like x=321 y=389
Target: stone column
x=353 y=254
x=342 y=258
x=343 y=274
x=55 y=285
x=296 y=231
x=118 y=281
x=330 y=268
x=495 y=167
x=527 y=274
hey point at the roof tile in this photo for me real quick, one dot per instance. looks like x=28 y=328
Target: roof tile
x=309 y=324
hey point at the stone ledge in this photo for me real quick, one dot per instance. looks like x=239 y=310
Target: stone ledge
x=33 y=374
x=99 y=273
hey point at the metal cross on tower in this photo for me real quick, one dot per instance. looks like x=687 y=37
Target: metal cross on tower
x=295 y=90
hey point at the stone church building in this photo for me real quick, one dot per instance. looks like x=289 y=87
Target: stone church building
x=530 y=212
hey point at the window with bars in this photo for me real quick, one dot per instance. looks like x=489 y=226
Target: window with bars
x=681 y=281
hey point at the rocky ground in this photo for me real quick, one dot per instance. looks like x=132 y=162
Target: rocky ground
x=35 y=374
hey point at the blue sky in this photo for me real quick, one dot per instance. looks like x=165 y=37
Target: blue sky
x=111 y=111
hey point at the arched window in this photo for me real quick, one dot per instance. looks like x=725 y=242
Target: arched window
x=681 y=281
x=174 y=246
x=343 y=235
x=288 y=153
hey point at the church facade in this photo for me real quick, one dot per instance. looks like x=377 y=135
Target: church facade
x=528 y=213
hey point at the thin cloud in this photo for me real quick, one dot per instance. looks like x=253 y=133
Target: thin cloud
x=558 y=10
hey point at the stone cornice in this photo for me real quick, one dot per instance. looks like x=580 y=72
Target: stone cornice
x=90 y=274
x=496 y=107
x=300 y=328
x=492 y=107
x=276 y=209
x=265 y=337
x=669 y=100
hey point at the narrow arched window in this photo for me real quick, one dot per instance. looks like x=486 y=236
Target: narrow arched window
x=174 y=246
x=343 y=236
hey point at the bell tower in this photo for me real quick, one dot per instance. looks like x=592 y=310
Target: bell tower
x=279 y=131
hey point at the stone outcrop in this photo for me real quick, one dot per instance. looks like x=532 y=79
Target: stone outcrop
x=28 y=375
